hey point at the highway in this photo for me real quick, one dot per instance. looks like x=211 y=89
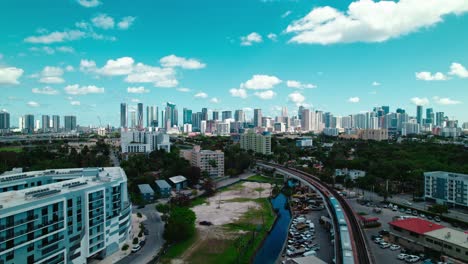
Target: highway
x=360 y=249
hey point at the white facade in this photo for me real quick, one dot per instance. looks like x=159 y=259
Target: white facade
x=133 y=141
x=210 y=161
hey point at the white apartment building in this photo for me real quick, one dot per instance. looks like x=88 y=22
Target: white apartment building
x=63 y=215
x=256 y=142
x=134 y=141
x=207 y=160
x=446 y=188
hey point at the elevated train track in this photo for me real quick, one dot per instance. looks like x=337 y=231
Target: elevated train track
x=351 y=238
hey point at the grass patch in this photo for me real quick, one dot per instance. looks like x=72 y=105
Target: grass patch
x=177 y=250
x=11 y=149
x=238 y=200
x=198 y=201
x=264 y=179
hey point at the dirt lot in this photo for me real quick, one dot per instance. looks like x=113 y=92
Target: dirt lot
x=230 y=206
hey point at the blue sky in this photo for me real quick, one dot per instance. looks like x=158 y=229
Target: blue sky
x=85 y=57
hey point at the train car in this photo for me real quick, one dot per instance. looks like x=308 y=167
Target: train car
x=346 y=248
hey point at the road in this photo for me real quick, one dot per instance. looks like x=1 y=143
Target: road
x=229 y=181
x=154 y=240
x=114 y=159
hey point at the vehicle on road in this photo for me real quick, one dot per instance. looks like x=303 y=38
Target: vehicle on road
x=395 y=247
x=437 y=219
x=412 y=259
x=142 y=243
x=402 y=256
x=408 y=211
x=384 y=245
x=135 y=248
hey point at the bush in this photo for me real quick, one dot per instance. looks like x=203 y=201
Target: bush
x=135 y=241
x=180 y=225
x=140 y=234
x=163 y=208
x=139 y=215
x=125 y=247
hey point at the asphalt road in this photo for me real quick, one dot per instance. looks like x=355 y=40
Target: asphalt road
x=154 y=240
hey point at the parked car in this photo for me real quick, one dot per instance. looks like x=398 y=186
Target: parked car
x=142 y=243
x=384 y=245
x=415 y=213
x=378 y=240
x=384 y=232
x=402 y=256
x=429 y=217
x=412 y=259
x=408 y=211
x=135 y=248
x=437 y=219
x=422 y=215
x=395 y=247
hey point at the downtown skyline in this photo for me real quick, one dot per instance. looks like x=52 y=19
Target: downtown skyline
x=105 y=53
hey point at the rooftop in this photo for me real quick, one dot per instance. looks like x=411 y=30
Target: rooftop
x=69 y=180
x=416 y=225
x=163 y=184
x=450 y=235
x=445 y=174
x=145 y=189
x=177 y=179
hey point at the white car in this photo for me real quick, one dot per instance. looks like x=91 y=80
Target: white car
x=402 y=256
x=395 y=247
x=412 y=259
x=384 y=245
x=136 y=248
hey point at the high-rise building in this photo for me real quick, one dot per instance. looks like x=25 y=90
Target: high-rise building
x=257 y=117
x=28 y=121
x=152 y=116
x=305 y=120
x=386 y=109
x=70 y=123
x=400 y=111
x=419 y=114
x=45 y=123
x=256 y=142
x=137 y=141
x=196 y=121
x=204 y=113
x=226 y=115
x=211 y=162
x=284 y=111
x=429 y=116
x=171 y=118
x=140 y=115
x=123 y=115
x=133 y=122
x=215 y=115
x=55 y=123
x=63 y=215
x=187 y=116
x=239 y=116
x=440 y=119
x=4 y=121
x=299 y=112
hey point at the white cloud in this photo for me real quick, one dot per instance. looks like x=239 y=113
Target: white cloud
x=51 y=74
x=76 y=89
x=251 y=38
x=201 y=95
x=420 y=101
x=89 y=3
x=376 y=83
x=242 y=93
x=445 y=101
x=265 y=95
x=137 y=90
x=299 y=85
x=354 y=99
x=172 y=61
x=120 y=66
x=161 y=77
x=214 y=100
x=69 y=68
x=57 y=36
x=272 y=36
x=126 y=22
x=296 y=98
x=10 y=75
x=427 y=76
x=75 y=103
x=33 y=104
x=287 y=13
x=134 y=100
x=103 y=21
x=184 y=90
x=87 y=66
x=66 y=49
x=259 y=81
x=46 y=90
x=369 y=21
x=458 y=70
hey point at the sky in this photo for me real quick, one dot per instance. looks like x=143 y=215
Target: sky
x=85 y=57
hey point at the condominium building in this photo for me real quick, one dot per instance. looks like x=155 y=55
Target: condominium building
x=133 y=141
x=256 y=142
x=207 y=160
x=373 y=134
x=63 y=215
x=446 y=188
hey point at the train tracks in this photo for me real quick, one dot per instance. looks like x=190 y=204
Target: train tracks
x=360 y=250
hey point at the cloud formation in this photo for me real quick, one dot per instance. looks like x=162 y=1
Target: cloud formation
x=445 y=101
x=250 y=39
x=354 y=99
x=242 y=93
x=76 y=89
x=265 y=95
x=173 y=61
x=260 y=81
x=10 y=75
x=299 y=85
x=420 y=101
x=46 y=90
x=428 y=76
x=137 y=90
x=89 y=3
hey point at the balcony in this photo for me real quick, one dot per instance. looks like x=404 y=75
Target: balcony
x=19 y=222
x=34 y=229
x=49 y=243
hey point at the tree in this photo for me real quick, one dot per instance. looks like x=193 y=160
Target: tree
x=180 y=225
x=438 y=209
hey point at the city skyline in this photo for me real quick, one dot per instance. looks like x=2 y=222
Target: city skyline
x=89 y=62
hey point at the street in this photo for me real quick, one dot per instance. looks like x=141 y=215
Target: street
x=154 y=240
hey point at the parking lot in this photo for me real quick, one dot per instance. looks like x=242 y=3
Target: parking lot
x=384 y=256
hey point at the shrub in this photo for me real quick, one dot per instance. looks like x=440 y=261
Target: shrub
x=124 y=247
x=139 y=215
x=135 y=241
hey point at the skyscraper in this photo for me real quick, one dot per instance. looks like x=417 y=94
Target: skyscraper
x=429 y=116
x=400 y=111
x=70 y=123
x=4 y=120
x=151 y=116
x=299 y=112
x=419 y=114
x=239 y=116
x=171 y=117
x=140 y=116
x=215 y=115
x=386 y=109
x=55 y=123
x=226 y=115
x=28 y=121
x=257 y=117
x=133 y=122
x=187 y=116
x=204 y=113
x=123 y=115
x=440 y=119
x=305 y=120
x=284 y=111
x=45 y=123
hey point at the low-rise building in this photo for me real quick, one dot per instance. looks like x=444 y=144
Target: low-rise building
x=304 y=142
x=147 y=193
x=134 y=141
x=446 y=188
x=351 y=174
x=208 y=161
x=163 y=188
x=179 y=182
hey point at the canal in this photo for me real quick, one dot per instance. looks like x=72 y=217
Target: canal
x=273 y=244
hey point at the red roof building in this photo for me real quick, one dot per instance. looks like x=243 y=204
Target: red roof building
x=416 y=225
